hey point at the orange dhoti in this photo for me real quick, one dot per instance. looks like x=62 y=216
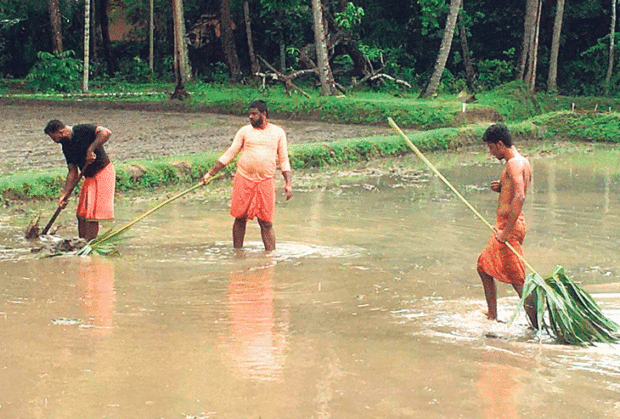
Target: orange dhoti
x=498 y=261
x=253 y=199
x=96 y=202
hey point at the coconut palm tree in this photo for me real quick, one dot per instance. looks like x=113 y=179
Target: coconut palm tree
x=444 y=49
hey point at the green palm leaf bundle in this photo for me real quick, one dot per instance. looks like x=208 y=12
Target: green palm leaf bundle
x=106 y=243
x=566 y=311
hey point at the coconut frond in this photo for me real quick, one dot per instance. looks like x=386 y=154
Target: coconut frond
x=566 y=311
x=105 y=244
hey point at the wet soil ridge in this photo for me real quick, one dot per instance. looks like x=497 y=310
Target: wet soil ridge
x=173 y=170
x=155 y=148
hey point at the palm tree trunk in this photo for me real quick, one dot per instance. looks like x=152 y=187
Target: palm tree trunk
x=181 y=73
x=444 y=49
x=56 y=24
x=228 y=42
x=612 y=36
x=93 y=30
x=255 y=67
x=469 y=68
x=530 y=77
x=151 y=35
x=552 y=85
x=86 y=44
x=328 y=87
x=528 y=37
x=104 y=25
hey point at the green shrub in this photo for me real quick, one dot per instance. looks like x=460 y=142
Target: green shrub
x=494 y=73
x=58 y=72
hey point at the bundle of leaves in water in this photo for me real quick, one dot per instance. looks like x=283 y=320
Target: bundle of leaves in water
x=572 y=315
x=106 y=243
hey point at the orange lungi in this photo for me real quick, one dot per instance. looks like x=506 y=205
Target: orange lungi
x=96 y=200
x=253 y=199
x=499 y=261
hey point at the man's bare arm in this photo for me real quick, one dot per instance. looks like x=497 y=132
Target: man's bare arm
x=71 y=181
x=216 y=168
x=288 y=187
x=102 y=135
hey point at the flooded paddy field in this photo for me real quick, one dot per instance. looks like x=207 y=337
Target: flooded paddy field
x=370 y=307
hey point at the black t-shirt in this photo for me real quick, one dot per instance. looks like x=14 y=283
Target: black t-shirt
x=75 y=150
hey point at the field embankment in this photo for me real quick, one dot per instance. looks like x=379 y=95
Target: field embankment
x=440 y=124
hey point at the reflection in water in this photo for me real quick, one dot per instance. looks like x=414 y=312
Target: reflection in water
x=257 y=343
x=96 y=283
x=500 y=389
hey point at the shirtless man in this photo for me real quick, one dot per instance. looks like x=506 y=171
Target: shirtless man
x=497 y=261
x=262 y=145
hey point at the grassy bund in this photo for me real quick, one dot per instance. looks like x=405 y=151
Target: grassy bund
x=438 y=124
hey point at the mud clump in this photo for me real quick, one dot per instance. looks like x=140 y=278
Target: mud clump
x=48 y=245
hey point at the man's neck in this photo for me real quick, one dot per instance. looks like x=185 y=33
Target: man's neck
x=511 y=153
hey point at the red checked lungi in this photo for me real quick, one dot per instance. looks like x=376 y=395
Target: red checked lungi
x=498 y=261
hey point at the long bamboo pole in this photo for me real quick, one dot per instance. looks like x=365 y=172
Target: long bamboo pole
x=108 y=236
x=461 y=197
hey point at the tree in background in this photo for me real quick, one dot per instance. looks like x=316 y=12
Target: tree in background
x=104 y=26
x=328 y=86
x=86 y=44
x=399 y=38
x=254 y=65
x=612 y=37
x=467 y=61
x=228 y=42
x=56 y=25
x=529 y=51
x=552 y=85
x=181 y=64
x=444 y=49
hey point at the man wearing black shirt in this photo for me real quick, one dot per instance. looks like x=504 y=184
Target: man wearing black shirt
x=82 y=146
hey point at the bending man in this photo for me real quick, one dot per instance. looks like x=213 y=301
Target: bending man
x=82 y=146
x=497 y=261
x=263 y=144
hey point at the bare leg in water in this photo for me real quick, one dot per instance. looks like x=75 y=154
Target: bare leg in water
x=490 y=294
x=87 y=229
x=268 y=235
x=266 y=231
x=239 y=232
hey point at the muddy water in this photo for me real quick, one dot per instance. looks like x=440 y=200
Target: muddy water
x=370 y=308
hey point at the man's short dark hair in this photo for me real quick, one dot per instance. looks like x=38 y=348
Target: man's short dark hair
x=53 y=126
x=260 y=105
x=497 y=133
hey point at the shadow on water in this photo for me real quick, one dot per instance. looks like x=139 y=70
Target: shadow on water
x=369 y=307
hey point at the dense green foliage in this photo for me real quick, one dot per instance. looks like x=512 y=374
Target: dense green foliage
x=58 y=72
x=400 y=36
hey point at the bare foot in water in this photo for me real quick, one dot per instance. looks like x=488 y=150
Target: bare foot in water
x=489 y=317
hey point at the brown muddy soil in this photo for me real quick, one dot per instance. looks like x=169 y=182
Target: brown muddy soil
x=140 y=132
